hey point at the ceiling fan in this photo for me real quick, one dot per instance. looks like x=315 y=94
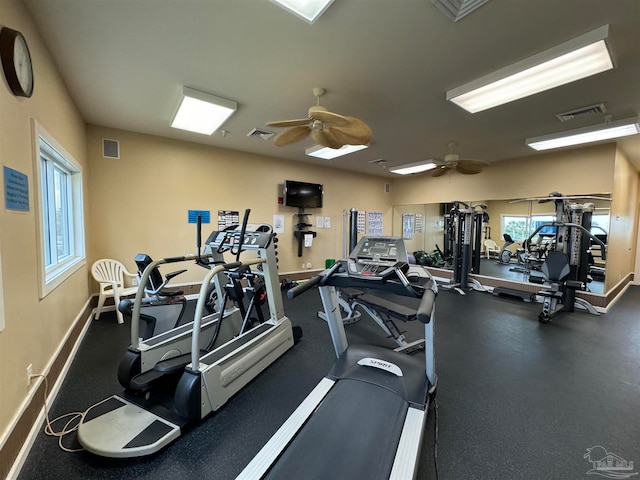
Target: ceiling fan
x=327 y=128
x=466 y=166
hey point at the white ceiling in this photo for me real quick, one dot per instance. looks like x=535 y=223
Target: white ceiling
x=387 y=62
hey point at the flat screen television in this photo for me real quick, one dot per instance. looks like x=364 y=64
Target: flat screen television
x=302 y=194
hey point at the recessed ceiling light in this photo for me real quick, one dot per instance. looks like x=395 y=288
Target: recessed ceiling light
x=328 y=153
x=201 y=112
x=308 y=10
x=416 y=167
x=604 y=131
x=581 y=57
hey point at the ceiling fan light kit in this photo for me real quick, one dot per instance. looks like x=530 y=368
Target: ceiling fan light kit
x=579 y=136
x=201 y=112
x=411 y=168
x=573 y=60
x=307 y=10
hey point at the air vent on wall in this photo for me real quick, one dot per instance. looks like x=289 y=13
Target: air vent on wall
x=110 y=148
x=591 y=109
x=263 y=134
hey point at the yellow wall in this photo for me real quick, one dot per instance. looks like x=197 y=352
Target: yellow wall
x=139 y=202
x=33 y=328
x=623 y=224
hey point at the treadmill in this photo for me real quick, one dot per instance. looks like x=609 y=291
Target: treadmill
x=365 y=419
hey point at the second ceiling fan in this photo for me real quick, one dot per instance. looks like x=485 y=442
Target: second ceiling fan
x=327 y=128
x=452 y=161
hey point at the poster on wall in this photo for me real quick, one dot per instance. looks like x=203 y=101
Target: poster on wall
x=407 y=225
x=362 y=221
x=419 y=223
x=278 y=223
x=226 y=218
x=16 y=190
x=375 y=224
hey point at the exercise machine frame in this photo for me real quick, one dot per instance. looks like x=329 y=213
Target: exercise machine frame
x=361 y=372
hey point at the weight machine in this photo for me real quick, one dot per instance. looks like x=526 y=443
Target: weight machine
x=566 y=267
x=463 y=239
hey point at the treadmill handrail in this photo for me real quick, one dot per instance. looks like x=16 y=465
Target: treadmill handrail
x=427 y=292
x=312 y=282
x=426 y=307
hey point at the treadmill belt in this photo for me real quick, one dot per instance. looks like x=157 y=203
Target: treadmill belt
x=352 y=435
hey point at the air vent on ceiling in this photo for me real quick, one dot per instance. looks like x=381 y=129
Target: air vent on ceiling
x=566 y=116
x=379 y=161
x=456 y=9
x=110 y=148
x=263 y=134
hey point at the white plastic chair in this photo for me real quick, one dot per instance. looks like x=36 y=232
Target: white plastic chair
x=491 y=246
x=110 y=274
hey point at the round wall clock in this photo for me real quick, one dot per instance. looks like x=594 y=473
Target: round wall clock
x=16 y=62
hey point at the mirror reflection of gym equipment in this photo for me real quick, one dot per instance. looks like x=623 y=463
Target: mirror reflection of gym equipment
x=515 y=219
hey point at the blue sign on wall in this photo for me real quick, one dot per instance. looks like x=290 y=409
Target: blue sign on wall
x=16 y=190
x=205 y=216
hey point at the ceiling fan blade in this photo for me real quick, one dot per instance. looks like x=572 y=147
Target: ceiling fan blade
x=330 y=118
x=470 y=167
x=467 y=171
x=472 y=163
x=358 y=133
x=439 y=171
x=293 y=135
x=325 y=138
x=290 y=123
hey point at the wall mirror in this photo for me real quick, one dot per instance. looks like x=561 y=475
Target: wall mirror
x=423 y=228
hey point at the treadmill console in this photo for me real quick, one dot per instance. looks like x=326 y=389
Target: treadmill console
x=255 y=237
x=375 y=258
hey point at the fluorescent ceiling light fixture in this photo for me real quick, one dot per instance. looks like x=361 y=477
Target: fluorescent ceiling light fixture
x=604 y=131
x=201 y=112
x=329 y=153
x=579 y=58
x=308 y=10
x=414 y=167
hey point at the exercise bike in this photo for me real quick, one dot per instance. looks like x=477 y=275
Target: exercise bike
x=505 y=255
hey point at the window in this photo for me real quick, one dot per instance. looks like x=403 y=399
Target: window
x=600 y=223
x=60 y=213
x=516 y=225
